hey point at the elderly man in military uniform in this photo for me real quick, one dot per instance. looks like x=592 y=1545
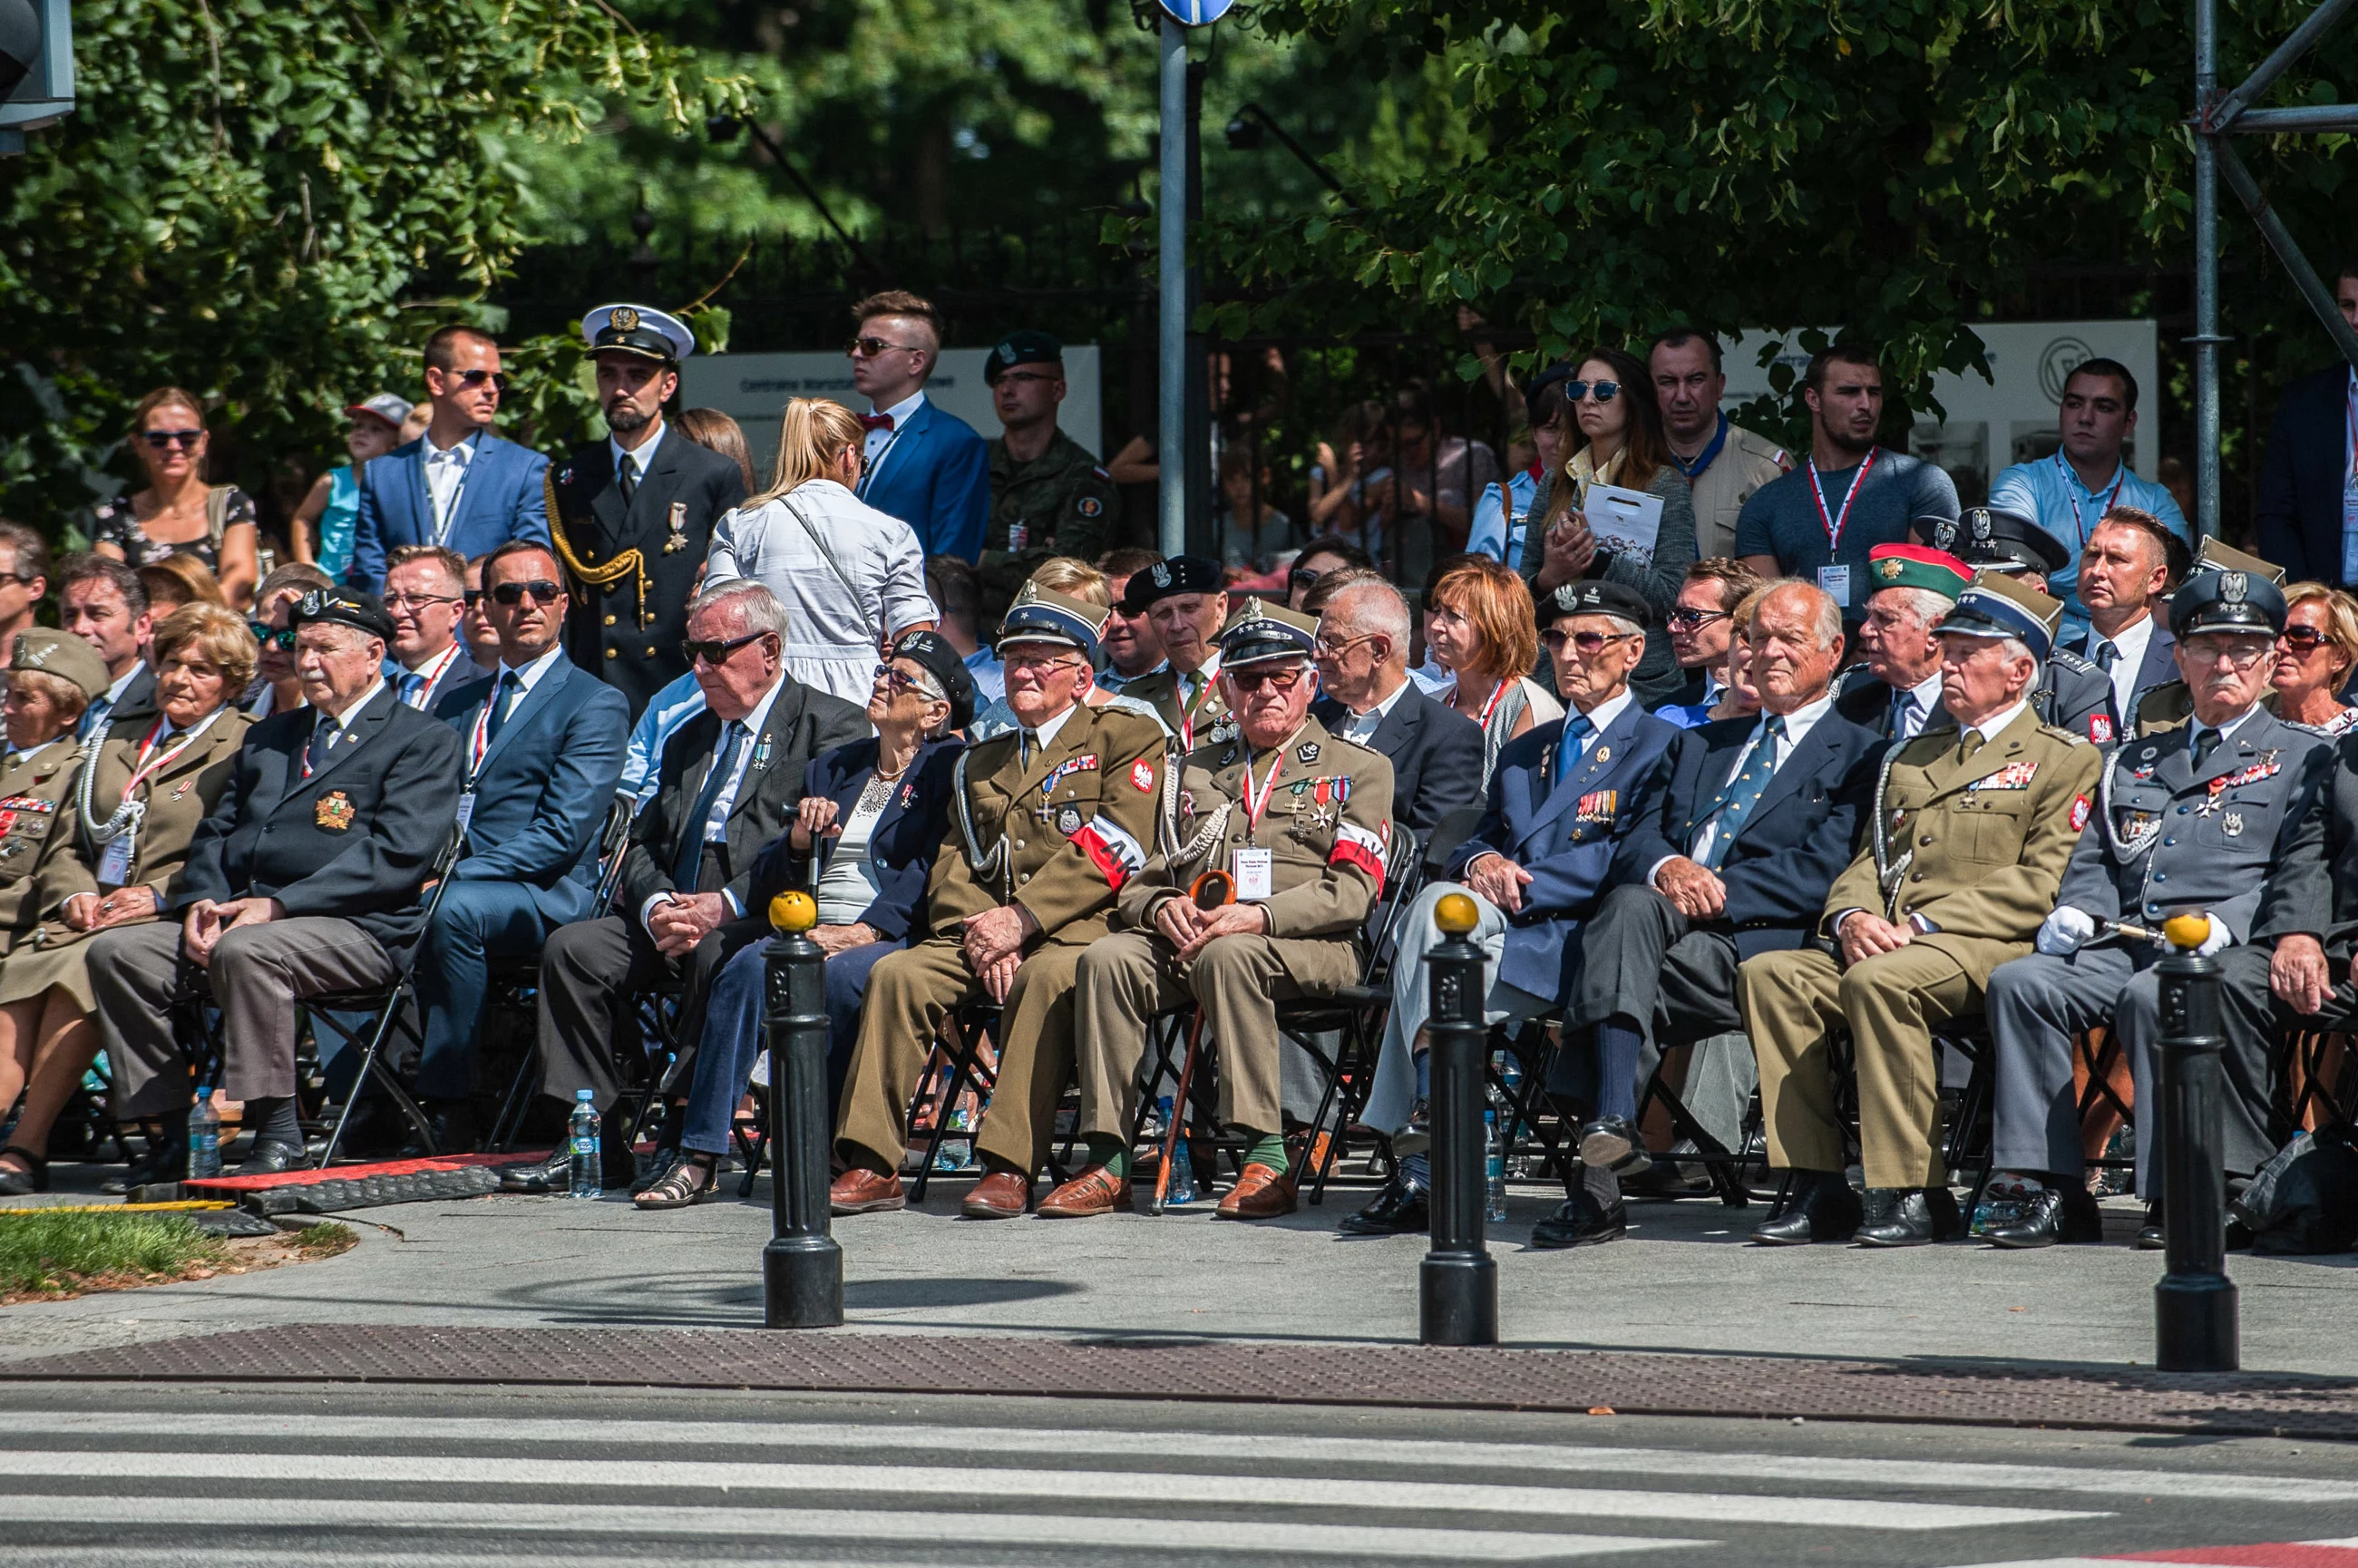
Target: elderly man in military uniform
x=631 y=515
x=306 y=879
x=2169 y=704
x=1184 y=600
x=1048 y=496
x=1300 y=824
x=2191 y=819
x=1968 y=836
x=2072 y=693
x=1894 y=690
x=1053 y=820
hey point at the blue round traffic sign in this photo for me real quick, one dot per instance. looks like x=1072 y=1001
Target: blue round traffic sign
x=1196 y=13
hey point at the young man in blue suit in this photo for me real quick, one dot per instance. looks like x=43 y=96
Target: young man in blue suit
x=1562 y=798
x=458 y=485
x=1733 y=860
x=544 y=742
x=924 y=466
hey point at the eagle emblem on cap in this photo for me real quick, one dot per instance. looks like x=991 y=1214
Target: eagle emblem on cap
x=1980 y=526
x=1254 y=609
x=314 y=602
x=1030 y=594
x=2233 y=586
x=1944 y=533
x=1162 y=574
x=1889 y=570
x=624 y=319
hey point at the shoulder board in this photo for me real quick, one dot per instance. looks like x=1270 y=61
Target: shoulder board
x=2064 y=658
x=2066 y=736
x=1123 y=703
x=1349 y=741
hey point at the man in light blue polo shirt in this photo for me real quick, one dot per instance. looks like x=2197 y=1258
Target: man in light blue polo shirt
x=2070 y=493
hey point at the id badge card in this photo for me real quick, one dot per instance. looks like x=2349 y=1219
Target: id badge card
x=114 y=863
x=466 y=809
x=1834 y=580
x=1252 y=875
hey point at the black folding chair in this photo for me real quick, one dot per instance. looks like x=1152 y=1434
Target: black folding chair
x=960 y=1068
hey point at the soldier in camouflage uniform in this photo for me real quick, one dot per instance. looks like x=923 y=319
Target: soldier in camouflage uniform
x=1048 y=496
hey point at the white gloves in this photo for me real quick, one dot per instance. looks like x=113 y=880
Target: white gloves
x=2063 y=932
x=2219 y=936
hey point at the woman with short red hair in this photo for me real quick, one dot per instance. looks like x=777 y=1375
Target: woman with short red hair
x=1482 y=628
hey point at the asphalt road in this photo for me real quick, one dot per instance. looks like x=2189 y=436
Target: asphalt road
x=118 y=1476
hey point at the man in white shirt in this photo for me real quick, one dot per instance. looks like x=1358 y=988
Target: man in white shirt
x=1896 y=690
x=1362 y=657
x=426 y=594
x=1132 y=651
x=2123 y=573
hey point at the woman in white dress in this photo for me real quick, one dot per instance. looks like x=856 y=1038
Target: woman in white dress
x=852 y=579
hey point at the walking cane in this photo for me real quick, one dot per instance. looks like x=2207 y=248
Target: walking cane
x=1211 y=891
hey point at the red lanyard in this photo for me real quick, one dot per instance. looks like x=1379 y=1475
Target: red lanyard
x=146 y=769
x=1253 y=809
x=1833 y=522
x=1490 y=703
x=2071 y=493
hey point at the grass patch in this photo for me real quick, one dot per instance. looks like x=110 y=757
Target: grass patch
x=324 y=1239
x=57 y=1254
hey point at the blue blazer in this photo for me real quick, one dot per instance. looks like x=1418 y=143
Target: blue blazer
x=2298 y=515
x=935 y=477
x=547 y=783
x=503 y=499
x=1799 y=838
x=1540 y=823
x=908 y=838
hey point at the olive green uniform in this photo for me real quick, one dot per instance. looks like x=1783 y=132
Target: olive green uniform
x=1967 y=846
x=1203 y=719
x=1058 y=830
x=1327 y=829
x=36 y=835
x=1059 y=503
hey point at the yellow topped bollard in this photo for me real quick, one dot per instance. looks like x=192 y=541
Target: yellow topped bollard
x=792 y=914
x=802 y=1268
x=2187 y=932
x=1456 y=914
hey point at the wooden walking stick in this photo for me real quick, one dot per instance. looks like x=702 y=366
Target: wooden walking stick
x=1211 y=891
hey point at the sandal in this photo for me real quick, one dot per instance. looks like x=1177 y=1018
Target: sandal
x=691 y=1181
x=33 y=1178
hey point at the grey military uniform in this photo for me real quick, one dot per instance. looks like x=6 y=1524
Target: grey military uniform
x=2161 y=837
x=2073 y=694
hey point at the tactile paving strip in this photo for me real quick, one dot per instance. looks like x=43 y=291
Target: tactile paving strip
x=2246 y=1403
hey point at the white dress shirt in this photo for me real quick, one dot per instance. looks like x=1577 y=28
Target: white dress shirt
x=1045 y=736
x=2226 y=731
x=1362 y=727
x=446 y=477
x=529 y=676
x=431 y=670
x=642 y=454
x=715 y=825
x=1927 y=698
x=341 y=723
x=2132 y=641
x=1990 y=728
x=99 y=714
x=879 y=440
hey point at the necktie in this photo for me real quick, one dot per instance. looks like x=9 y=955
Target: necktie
x=687 y=857
x=876 y=421
x=1743 y=791
x=1903 y=704
x=413 y=689
x=323 y=736
x=2108 y=654
x=511 y=682
x=1577 y=728
x=2205 y=742
x=629 y=478
x=1968 y=744
x=94 y=719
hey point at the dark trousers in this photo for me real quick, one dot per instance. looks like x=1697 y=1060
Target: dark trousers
x=2251 y=1128
x=589 y=973
x=475 y=923
x=1642 y=961
x=733 y=1037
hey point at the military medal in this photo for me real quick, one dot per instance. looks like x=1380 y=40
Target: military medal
x=1604 y=753
x=678 y=540
x=1068 y=820
x=762 y=754
x=333 y=811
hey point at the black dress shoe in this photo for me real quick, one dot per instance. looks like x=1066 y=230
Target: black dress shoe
x=1582 y=1221
x=2150 y=1236
x=2067 y=1215
x=274 y=1159
x=1610 y=1143
x=1909 y=1217
x=166 y=1161
x=1399 y=1210
x=1826 y=1209
x=554 y=1174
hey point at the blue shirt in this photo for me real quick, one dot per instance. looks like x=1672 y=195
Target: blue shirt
x=1783 y=522
x=340 y=521
x=989 y=680
x=2050 y=492
x=669 y=708
x=1491 y=535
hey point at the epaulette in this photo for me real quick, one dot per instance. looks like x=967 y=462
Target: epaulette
x=2072 y=661
x=1367 y=745
x=1126 y=704
x=2076 y=740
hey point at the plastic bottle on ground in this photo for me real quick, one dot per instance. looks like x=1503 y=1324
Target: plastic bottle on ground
x=204 y=1135
x=1494 y=1169
x=582 y=1134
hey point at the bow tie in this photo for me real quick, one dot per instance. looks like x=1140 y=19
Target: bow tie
x=876 y=421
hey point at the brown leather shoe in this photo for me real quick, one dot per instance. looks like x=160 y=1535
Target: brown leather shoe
x=1002 y=1194
x=1259 y=1194
x=864 y=1192
x=1094 y=1191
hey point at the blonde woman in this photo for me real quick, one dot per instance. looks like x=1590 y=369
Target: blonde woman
x=2315 y=656
x=851 y=578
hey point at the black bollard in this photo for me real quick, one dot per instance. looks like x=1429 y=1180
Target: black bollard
x=802 y=1267
x=1457 y=1287
x=2194 y=1303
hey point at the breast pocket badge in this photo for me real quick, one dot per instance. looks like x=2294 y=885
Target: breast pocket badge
x=333 y=811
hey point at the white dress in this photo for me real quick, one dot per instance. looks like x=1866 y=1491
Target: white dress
x=834 y=627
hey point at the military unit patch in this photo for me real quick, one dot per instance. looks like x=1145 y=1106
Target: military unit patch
x=333 y=811
x=1142 y=773
x=2080 y=805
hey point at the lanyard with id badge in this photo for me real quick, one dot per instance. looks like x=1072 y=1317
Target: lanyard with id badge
x=119 y=834
x=1254 y=864
x=479 y=742
x=1834 y=579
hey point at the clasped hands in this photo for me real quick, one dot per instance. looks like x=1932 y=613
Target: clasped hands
x=684 y=919
x=123 y=906
x=208 y=923
x=1499 y=879
x=1191 y=930
x=994 y=945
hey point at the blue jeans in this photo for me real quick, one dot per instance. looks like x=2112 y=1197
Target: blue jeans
x=476 y=922
x=733 y=1038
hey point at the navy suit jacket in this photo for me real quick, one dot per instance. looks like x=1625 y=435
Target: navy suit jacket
x=1563 y=832
x=547 y=783
x=1798 y=839
x=907 y=839
x=2159 y=668
x=502 y=499
x=935 y=477
x=355 y=841
x=2297 y=515
x=1436 y=752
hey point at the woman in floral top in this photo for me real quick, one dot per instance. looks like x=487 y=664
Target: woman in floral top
x=179 y=512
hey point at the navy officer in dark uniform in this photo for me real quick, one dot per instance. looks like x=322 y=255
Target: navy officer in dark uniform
x=306 y=879
x=631 y=515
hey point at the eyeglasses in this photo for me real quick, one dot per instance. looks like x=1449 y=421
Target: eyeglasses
x=1589 y=643
x=1037 y=663
x=900 y=680
x=271 y=636
x=542 y=592
x=869 y=348
x=472 y=379
x=713 y=653
x=185 y=439
x=2241 y=654
x=2307 y=639
x=1327 y=647
x=1281 y=680
x=1694 y=620
x=1302 y=576
x=1606 y=391
x=418 y=600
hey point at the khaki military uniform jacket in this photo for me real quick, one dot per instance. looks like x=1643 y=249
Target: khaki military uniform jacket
x=1327 y=826
x=1058 y=832
x=1972 y=848
x=1199 y=724
x=1059 y=503
x=36 y=834
x=1743 y=466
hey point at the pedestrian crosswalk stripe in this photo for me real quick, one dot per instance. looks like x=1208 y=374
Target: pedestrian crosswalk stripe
x=962 y=1481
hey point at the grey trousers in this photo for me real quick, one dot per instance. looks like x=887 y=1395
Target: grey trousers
x=1393 y=1097
x=257 y=974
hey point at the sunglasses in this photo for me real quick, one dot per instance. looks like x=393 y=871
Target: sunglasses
x=271 y=636
x=542 y=592
x=2306 y=638
x=474 y=596
x=1281 y=680
x=709 y=652
x=1694 y=620
x=1589 y=643
x=1606 y=391
x=185 y=439
x=869 y=348
x=471 y=379
x=1302 y=576
x=900 y=680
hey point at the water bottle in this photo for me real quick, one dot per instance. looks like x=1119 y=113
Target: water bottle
x=204 y=1136
x=1182 y=1162
x=2002 y=1204
x=1494 y=1169
x=581 y=1134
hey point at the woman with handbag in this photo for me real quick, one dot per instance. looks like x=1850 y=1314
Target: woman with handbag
x=852 y=579
x=179 y=512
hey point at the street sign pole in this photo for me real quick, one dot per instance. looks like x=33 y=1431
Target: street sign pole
x=1171 y=426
